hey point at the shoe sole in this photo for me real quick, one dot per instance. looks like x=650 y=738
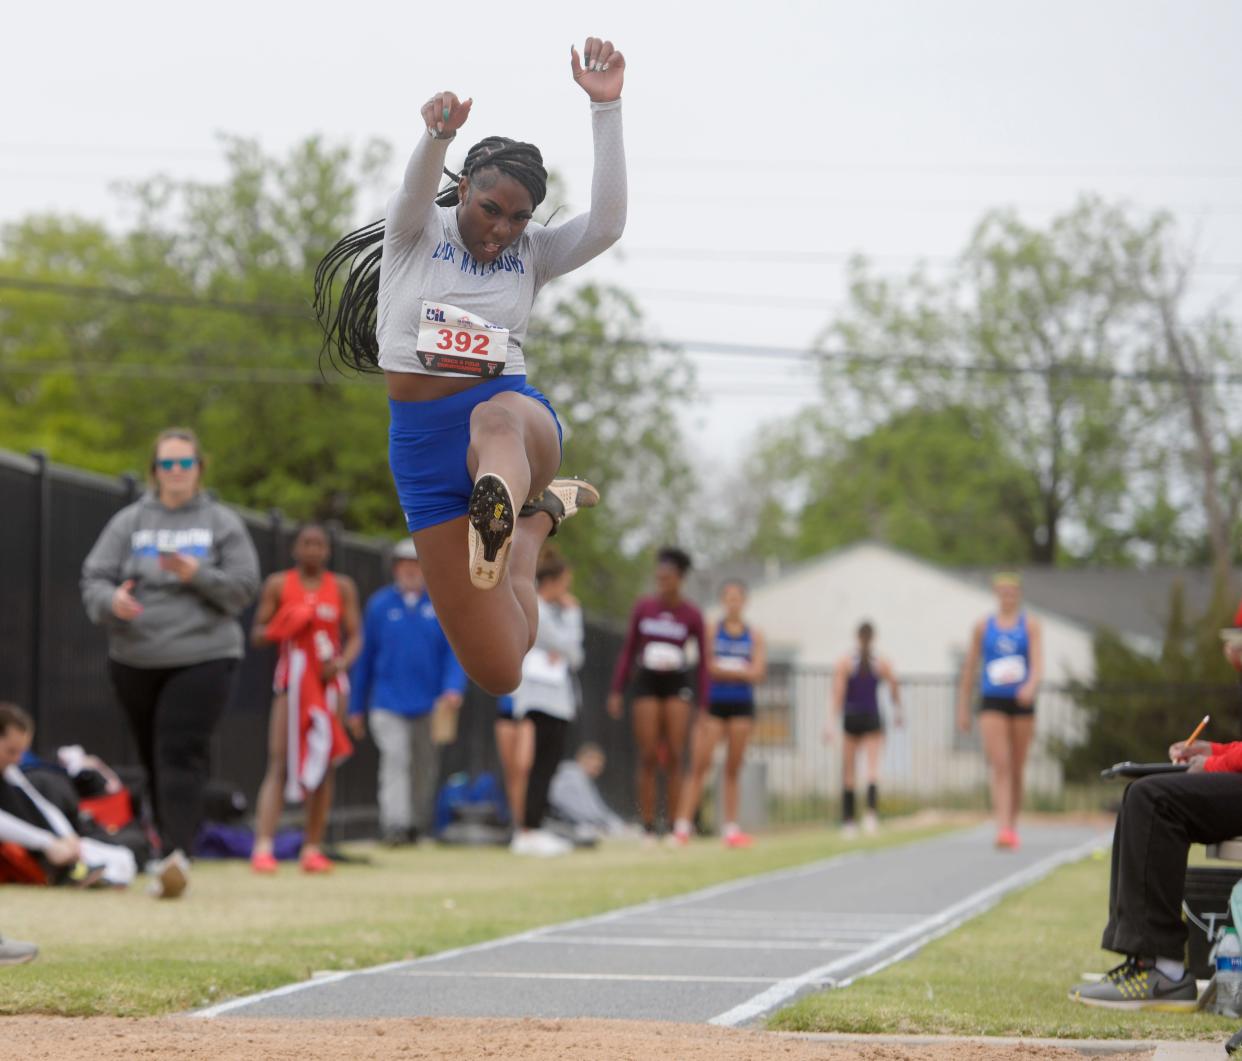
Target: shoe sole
x=586 y=496
x=1166 y=1005
x=491 y=519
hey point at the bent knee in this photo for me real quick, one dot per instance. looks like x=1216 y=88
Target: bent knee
x=491 y=418
x=496 y=677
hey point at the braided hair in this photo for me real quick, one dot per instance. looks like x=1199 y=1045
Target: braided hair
x=349 y=320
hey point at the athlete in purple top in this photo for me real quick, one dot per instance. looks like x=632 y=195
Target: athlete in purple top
x=855 y=696
x=654 y=653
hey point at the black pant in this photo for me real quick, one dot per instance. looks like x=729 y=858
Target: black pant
x=172 y=714
x=549 y=748
x=1161 y=816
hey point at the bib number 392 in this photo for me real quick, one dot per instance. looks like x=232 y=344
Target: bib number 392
x=451 y=340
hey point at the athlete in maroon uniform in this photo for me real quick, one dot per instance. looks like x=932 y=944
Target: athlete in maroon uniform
x=313 y=616
x=666 y=682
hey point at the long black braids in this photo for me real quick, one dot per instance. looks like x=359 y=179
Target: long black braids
x=349 y=319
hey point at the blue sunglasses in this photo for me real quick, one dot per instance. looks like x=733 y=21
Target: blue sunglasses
x=184 y=463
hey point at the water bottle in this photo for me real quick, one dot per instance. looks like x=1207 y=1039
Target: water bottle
x=1229 y=974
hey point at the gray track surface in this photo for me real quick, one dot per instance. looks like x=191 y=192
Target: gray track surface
x=728 y=954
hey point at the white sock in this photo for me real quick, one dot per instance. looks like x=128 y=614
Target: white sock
x=682 y=826
x=1171 y=968
x=731 y=829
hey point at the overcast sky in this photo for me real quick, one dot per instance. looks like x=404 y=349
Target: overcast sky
x=767 y=141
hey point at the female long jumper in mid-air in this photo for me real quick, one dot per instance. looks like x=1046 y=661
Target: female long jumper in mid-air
x=438 y=295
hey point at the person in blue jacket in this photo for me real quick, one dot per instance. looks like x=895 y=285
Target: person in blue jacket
x=406 y=671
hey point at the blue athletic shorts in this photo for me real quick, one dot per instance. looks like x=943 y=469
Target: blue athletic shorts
x=427 y=444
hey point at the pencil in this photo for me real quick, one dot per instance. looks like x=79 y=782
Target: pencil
x=1198 y=729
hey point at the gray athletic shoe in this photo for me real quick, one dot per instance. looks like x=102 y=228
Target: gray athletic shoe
x=1138 y=984
x=15 y=952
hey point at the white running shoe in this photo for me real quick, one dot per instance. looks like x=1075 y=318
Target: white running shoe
x=15 y=952
x=491 y=519
x=871 y=823
x=849 y=830
x=172 y=877
x=539 y=843
x=561 y=499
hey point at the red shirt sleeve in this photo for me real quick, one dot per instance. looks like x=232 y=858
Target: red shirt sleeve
x=1225 y=758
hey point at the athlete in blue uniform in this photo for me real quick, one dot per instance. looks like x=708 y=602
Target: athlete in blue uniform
x=856 y=682
x=1010 y=646
x=736 y=663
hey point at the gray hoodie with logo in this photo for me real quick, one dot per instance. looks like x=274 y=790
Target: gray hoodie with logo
x=182 y=623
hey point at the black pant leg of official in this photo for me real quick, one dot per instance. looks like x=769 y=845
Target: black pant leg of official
x=191 y=703
x=549 y=747
x=1161 y=816
x=138 y=690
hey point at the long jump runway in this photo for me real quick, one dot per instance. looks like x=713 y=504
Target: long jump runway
x=728 y=955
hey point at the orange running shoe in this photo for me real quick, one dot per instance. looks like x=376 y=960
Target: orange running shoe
x=739 y=839
x=1007 y=840
x=264 y=863
x=316 y=862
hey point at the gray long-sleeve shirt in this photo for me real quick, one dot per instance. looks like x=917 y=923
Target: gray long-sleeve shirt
x=182 y=623
x=424 y=257
x=547 y=671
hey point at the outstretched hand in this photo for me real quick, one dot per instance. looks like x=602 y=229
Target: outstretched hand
x=444 y=113
x=602 y=73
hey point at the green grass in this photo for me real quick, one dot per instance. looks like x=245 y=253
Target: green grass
x=122 y=954
x=1005 y=973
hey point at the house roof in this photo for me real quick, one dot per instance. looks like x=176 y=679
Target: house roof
x=1131 y=601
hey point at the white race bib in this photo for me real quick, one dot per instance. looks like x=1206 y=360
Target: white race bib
x=1007 y=670
x=538 y=666
x=451 y=340
x=660 y=655
x=732 y=663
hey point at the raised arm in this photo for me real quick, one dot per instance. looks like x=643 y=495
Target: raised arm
x=412 y=203
x=565 y=247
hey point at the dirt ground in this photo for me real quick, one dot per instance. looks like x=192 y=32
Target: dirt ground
x=226 y=1039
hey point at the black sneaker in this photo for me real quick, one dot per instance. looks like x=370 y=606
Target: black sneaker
x=1234 y=1044
x=1138 y=984
x=561 y=499
x=492 y=518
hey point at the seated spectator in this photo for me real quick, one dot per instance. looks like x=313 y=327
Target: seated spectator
x=40 y=830
x=573 y=797
x=1161 y=816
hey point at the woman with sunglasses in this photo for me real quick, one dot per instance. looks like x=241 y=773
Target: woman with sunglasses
x=167 y=579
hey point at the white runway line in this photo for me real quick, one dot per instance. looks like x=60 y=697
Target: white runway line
x=694 y=944
x=905 y=942
x=641 y=978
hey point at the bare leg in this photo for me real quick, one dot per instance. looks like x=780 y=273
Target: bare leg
x=849 y=752
x=646 y=719
x=1021 y=732
x=739 y=735
x=318 y=804
x=994 y=728
x=873 y=745
x=491 y=630
x=271 y=799
x=513 y=764
x=676 y=715
x=707 y=733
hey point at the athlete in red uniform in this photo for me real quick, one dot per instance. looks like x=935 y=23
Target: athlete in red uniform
x=313 y=616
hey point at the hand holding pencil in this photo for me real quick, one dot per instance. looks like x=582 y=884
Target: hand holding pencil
x=1190 y=749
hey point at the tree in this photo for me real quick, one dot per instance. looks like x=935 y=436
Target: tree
x=1138 y=703
x=1070 y=350
x=199 y=315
